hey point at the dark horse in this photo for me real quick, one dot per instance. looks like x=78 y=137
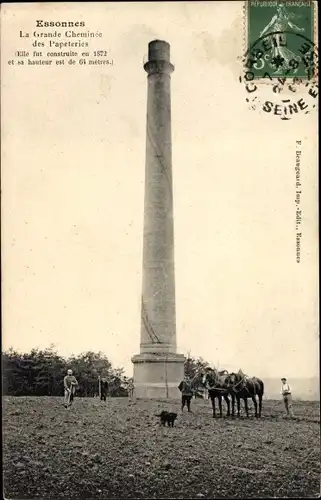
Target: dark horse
x=218 y=389
x=243 y=387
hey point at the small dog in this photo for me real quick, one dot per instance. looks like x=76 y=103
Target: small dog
x=167 y=417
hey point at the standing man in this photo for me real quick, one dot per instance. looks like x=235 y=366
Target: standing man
x=286 y=392
x=70 y=384
x=103 y=389
x=187 y=392
x=130 y=388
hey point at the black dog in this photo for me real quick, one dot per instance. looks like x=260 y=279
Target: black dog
x=167 y=417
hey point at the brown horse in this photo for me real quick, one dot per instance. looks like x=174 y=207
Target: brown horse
x=218 y=389
x=242 y=387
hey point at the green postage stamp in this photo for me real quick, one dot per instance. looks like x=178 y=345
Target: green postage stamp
x=280 y=38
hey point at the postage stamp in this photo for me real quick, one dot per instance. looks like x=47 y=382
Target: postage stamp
x=281 y=38
x=280 y=61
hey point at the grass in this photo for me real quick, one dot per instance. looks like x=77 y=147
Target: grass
x=118 y=450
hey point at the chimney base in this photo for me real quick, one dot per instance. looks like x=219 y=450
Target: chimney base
x=157 y=376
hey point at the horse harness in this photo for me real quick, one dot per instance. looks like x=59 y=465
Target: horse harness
x=241 y=385
x=243 y=382
x=215 y=388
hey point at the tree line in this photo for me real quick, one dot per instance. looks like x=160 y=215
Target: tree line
x=41 y=372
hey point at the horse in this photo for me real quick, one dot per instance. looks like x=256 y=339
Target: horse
x=243 y=387
x=217 y=388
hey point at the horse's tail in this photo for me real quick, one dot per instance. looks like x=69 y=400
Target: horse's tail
x=261 y=386
x=258 y=386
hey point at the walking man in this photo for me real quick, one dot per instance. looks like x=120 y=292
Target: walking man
x=187 y=392
x=286 y=393
x=70 y=384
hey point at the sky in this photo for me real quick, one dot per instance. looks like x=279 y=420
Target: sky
x=73 y=160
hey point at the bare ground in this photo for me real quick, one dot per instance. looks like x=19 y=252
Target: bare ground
x=118 y=450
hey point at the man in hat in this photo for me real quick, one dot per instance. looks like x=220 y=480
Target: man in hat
x=286 y=393
x=70 y=384
x=187 y=392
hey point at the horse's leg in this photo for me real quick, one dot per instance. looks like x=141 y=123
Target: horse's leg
x=260 y=404
x=213 y=405
x=227 y=400
x=220 y=405
x=255 y=404
x=246 y=407
x=233 y=404
x=238 y=401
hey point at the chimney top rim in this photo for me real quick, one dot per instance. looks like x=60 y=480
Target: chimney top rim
x=157 y=40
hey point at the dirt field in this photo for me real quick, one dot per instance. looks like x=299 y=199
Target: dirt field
x=119 y=450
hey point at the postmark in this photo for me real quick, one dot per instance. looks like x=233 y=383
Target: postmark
x=280 y=64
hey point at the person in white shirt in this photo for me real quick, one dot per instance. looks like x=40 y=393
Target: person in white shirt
x=286 y=392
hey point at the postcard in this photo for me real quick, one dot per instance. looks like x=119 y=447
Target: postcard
x=160 y=249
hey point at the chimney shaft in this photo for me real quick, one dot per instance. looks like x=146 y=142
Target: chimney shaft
x=162 y=368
